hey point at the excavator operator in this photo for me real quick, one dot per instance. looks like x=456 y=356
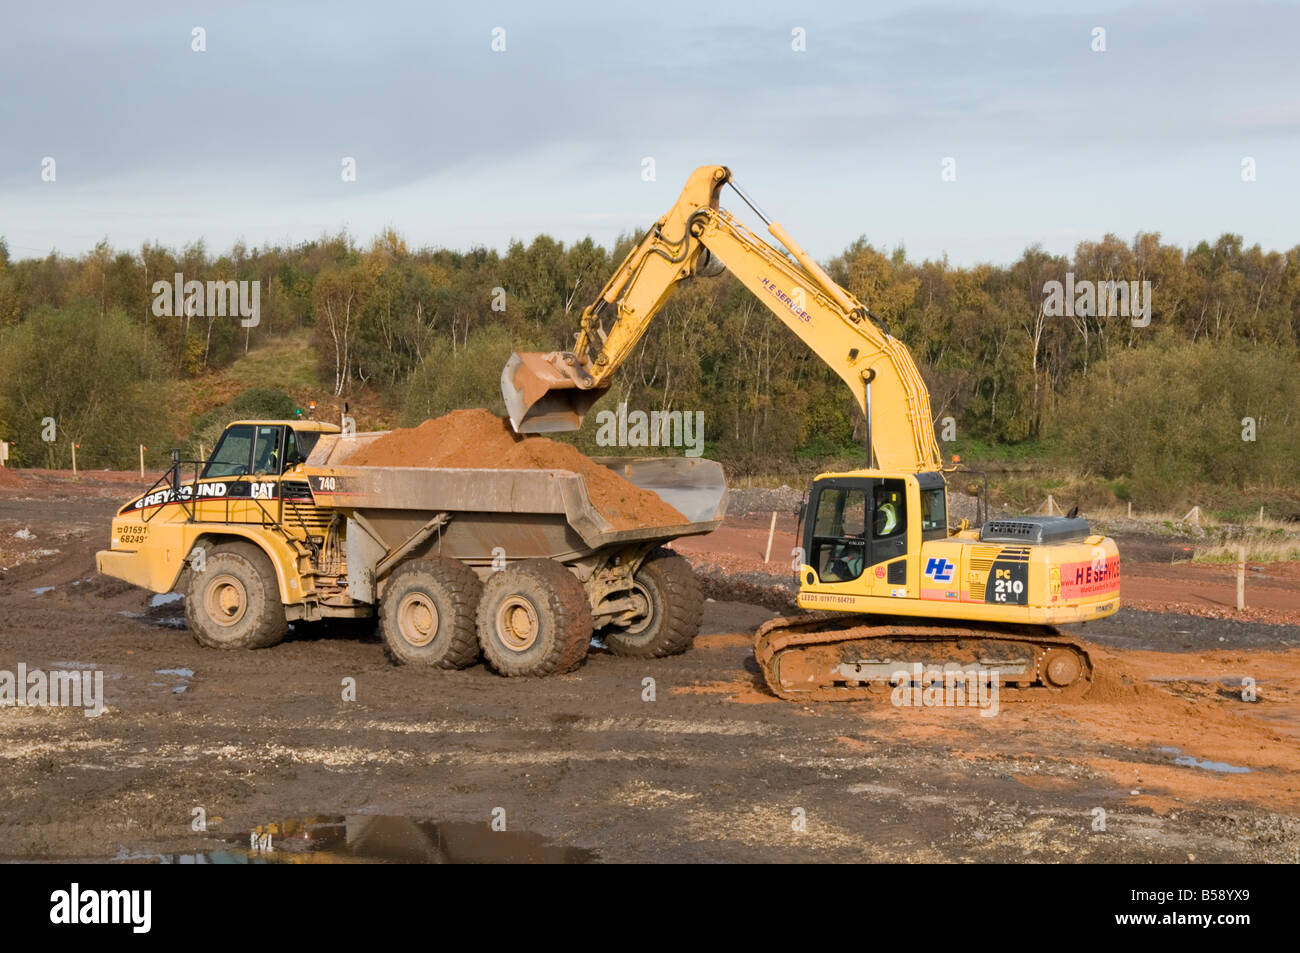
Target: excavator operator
x=886 y=510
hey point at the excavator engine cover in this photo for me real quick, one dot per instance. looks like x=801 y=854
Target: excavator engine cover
x=1035 y=530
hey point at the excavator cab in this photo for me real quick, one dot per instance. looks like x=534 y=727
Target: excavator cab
x=865 y=522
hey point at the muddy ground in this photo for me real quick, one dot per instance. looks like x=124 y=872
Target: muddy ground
x=711 y=769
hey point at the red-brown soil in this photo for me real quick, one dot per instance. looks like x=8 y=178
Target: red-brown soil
x=478 y=439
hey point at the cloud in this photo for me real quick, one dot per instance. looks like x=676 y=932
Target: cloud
x=454 y=142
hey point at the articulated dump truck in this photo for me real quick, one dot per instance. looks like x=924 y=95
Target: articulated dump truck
x=515 y=565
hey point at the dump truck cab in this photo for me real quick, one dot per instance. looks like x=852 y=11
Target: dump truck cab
x=263 y=448
x=250 y=489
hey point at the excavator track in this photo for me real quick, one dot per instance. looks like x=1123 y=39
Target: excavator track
x=833 y=656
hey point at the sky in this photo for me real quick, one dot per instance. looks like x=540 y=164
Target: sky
x=458 y=145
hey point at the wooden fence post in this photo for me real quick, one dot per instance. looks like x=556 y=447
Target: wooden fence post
x=1241 y=578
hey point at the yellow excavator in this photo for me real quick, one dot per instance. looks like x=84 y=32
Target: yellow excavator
x=901 y=595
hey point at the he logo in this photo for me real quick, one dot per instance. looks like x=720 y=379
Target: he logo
x=940 y=570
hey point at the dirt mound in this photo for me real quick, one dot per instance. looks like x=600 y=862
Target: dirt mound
x=479 y=439
x=9 y=478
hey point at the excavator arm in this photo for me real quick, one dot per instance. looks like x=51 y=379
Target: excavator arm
x=552 y=392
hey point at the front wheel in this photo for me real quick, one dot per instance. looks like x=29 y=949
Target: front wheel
x=234 y=602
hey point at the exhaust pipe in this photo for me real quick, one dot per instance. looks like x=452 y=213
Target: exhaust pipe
x=547 y=393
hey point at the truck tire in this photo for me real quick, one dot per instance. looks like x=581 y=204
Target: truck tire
x=235 y=602
x=534 y=619
x=676 y=606
x=426 y=614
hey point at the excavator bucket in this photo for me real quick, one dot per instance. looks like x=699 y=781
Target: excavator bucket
x=547 y=393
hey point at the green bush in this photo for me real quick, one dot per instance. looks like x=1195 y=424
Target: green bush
x=82 y=378
x=1171 y=416
x=263 y=403
x=469 y=376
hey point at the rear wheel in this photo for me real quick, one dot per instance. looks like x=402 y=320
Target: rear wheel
x=534 y=619
x=426 y=614
x=668 y=584
x=234 y=602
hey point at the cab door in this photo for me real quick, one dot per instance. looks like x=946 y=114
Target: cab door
x=247 y=464
x=888 y=537
x=857 y=534
x=836 y=543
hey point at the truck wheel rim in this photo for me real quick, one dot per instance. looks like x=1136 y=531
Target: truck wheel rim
x=640 y=625
x=417 y=617
x=227 y=600
x=517 y=623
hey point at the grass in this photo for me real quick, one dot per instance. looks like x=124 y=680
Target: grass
x=1257 y=551
x=981 y=452
x=287 y=363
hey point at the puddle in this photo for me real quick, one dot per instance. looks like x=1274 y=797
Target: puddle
x=42 y=590
x=379 y=838
x=164 y=598
x=1188 y=761
x=179 y=673
x=165 y=621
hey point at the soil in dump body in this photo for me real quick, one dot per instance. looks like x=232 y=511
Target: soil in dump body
x=482 y=440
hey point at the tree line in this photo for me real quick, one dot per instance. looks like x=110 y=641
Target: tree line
x=429 y=330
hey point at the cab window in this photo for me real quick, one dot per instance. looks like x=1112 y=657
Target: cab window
x=839 y=534
x=934 y=511
x=233 y=454
x=889 y=510
x=266 y=450
x=298 y=447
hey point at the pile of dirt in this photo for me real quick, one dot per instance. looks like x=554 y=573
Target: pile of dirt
x=9 y=478
x=481 y=440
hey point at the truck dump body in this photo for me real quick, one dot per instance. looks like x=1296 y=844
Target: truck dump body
x=527 y=513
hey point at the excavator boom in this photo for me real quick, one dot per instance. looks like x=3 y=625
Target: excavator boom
x=551 y=392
